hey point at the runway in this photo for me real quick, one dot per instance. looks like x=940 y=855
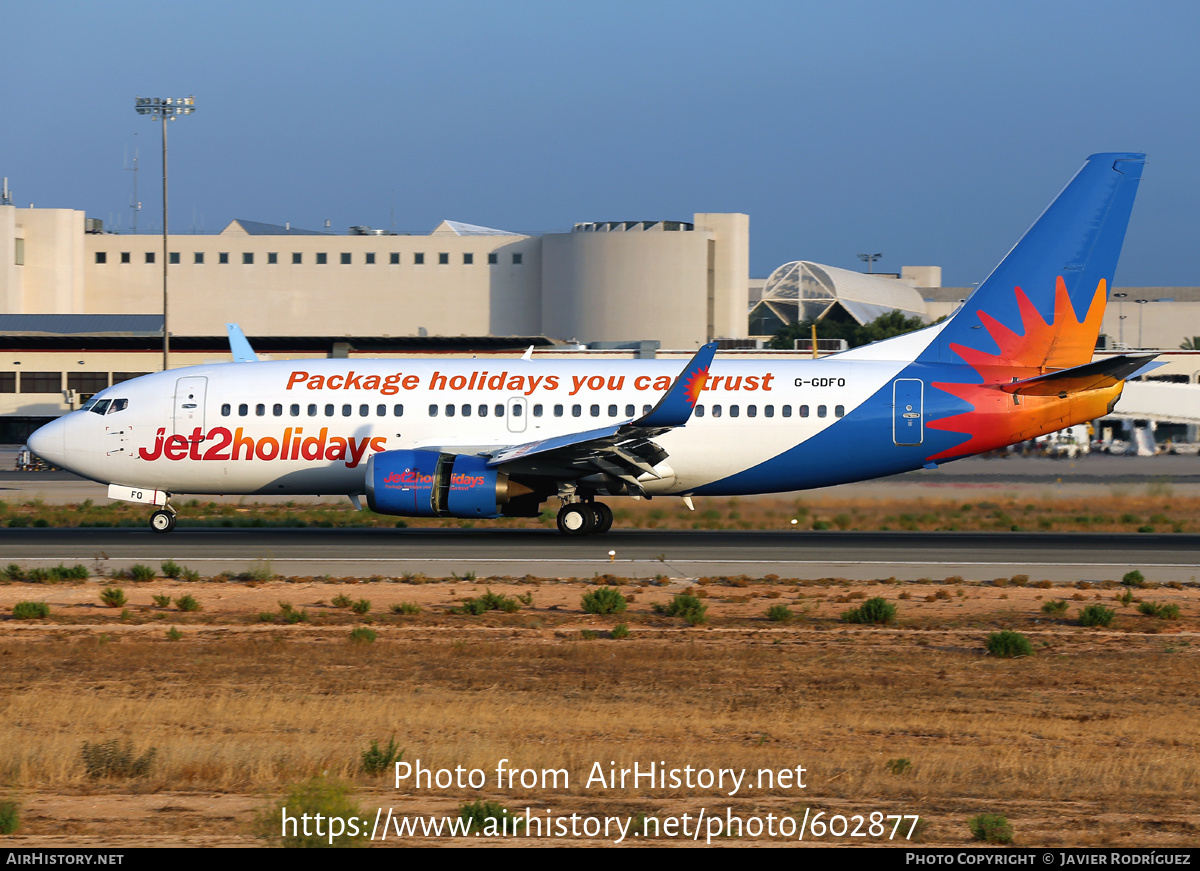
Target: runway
x=1062 y=558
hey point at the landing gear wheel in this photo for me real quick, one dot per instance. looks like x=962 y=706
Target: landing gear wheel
x=577 y=518
x=604 y=517
x=162 y=521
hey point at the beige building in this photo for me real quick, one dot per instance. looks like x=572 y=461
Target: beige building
x=675 y=282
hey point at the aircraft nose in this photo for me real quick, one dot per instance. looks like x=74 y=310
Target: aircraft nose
x=49 y=442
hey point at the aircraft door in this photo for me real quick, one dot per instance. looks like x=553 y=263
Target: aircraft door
x=189 y=404
x=517 y=412
x=908 y=414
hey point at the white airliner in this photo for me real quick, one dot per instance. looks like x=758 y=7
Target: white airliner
x=498 y=437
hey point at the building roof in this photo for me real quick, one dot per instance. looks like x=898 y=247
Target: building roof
x=240 y=226
x=129 y=326
x=806 y=290
x=458 y=228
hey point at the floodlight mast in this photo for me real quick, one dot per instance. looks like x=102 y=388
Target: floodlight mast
x=165 y=109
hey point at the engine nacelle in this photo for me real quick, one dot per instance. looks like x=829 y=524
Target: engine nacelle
x=433 y=484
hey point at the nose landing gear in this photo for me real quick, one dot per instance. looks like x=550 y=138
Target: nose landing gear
x=584 y=518
x=163 y=520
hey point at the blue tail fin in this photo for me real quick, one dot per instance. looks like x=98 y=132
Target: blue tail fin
x=1042 y=306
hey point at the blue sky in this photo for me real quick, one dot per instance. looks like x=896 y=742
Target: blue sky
x=933 y=132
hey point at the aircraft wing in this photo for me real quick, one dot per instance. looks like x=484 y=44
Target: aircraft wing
x=623 y=450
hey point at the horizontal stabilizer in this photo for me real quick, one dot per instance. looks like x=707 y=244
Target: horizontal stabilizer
x=1090 y=376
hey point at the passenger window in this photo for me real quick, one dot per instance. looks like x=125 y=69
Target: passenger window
x=433 y=409
x=787 y=411
x=768 y=411
x=364 y=410
x=839 y=411
x=804 y=411
x=243 y=410
x=716 y=411
x=751 y=411
x=347 y=410
x=100 y=407
x=646 y=409
x=576 y=410
x=294 y=411
x=516 y=412
x=499 y=409
x=329 y=411
x=595 y=409
x=466 y=410
x=734 y=411
x=398 y=410
x=612 y=411
x=278 y=409
x=537 y=411
x=558 y=411
x=312 y=410
x=482 y=410
x=449 y=411
x=381 y=411
x=629 y=410
x=226 y=410
x=699 y=411
x=821 y=411
x=260 y=409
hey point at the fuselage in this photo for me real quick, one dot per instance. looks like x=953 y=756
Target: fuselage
x=307 y=427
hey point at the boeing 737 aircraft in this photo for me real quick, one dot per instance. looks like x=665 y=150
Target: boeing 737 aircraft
x=489 y=438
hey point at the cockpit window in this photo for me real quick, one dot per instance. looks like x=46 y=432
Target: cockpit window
x=118 y=405
x=87 y=406
x=101 y=406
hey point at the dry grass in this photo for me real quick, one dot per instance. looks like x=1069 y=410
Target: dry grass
x=1094 y=736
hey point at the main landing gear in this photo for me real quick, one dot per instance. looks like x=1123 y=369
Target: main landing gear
x=163 y=520
x=584 y=518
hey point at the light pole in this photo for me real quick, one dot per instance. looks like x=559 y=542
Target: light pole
x=1140 y=302
x=869 y=259
x=166 y=110
x=1120 y=298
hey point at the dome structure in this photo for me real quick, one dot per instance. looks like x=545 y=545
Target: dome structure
x=800 y=290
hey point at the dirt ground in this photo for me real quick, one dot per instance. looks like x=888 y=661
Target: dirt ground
x=1088 y=742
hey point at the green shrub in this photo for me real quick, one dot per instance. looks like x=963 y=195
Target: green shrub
x=899 y=766
x=604 y=600
x=283 y=824
x=1096 y=615
x=341 y=601
x=14 y=572
x=407 y=608
x=589 y=634
x=174 y=634
x=488 y=816
x=877 y=610
x=141 y=572
x=110 y=759
x=10 y=817
x=620 y=631
x=62 y=573
x=363 y=635
x=1162 y=612
x=113 y=597
x=1134 y=579
x=163 y=601
x=780 y=614
x=992 y=828
x=39 y=576
x=171 y=569
x=190 y=575
x=1055 y=607
x=1008 y=644
x=489 y=601
x=376 y=761
x=362 y=606
x=187 y=603
x=687 y=606
x=30 y=610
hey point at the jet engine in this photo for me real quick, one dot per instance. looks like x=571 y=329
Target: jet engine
x=434 y=484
